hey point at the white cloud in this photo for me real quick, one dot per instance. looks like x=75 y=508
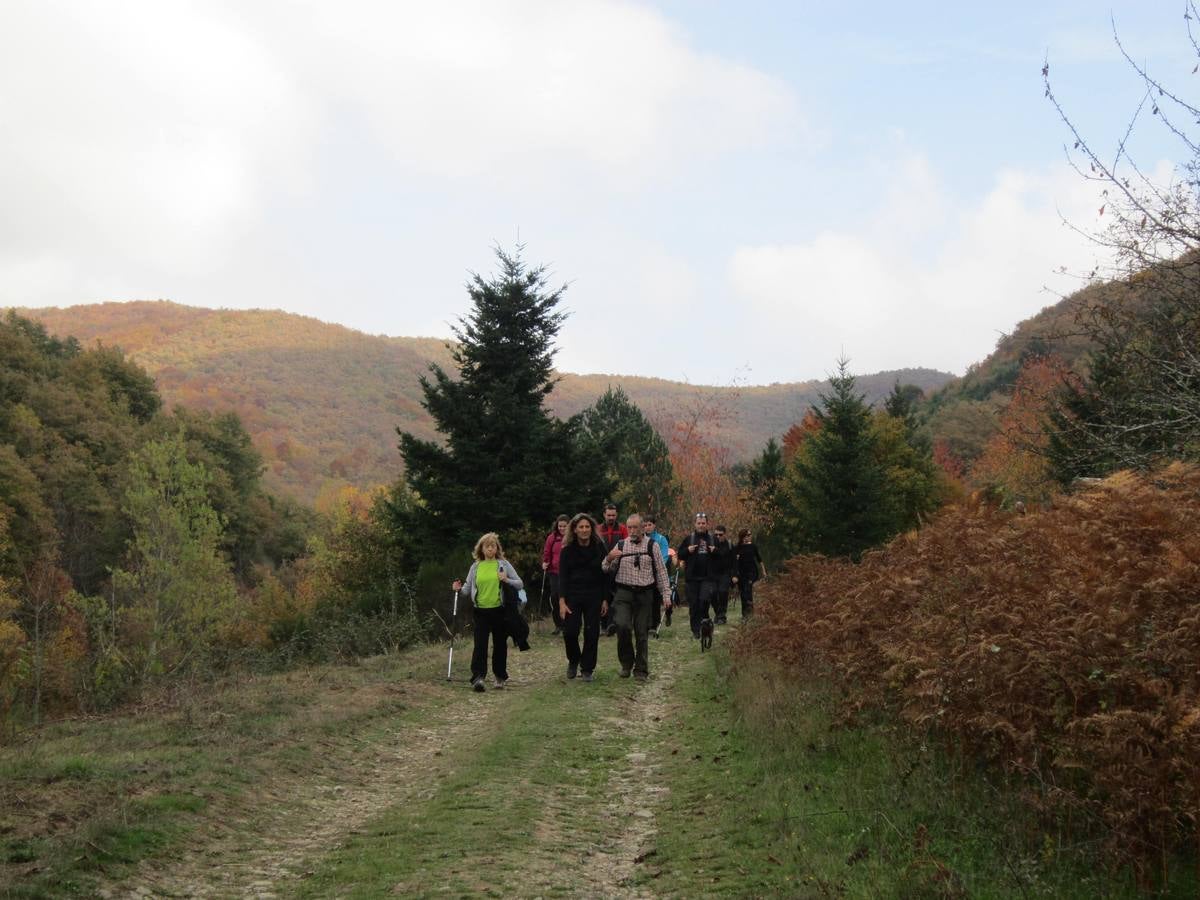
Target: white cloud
x=141 y=133
x=870 y=294
x=472 y=88
x=145 y=145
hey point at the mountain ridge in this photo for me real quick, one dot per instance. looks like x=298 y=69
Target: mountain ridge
x=322 y=401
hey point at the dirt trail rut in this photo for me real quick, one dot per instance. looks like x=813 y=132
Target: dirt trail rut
x=297 y=819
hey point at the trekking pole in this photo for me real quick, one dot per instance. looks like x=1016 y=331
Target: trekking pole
x=453 y=616
x=545 y=605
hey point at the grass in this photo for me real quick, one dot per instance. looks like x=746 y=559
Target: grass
x=85 y=800
x=758 y=787
x=773 y=795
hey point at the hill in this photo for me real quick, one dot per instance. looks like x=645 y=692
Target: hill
x=322 y=401
x=965 y=412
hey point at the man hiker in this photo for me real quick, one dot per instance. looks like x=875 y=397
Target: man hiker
x=640 y=578
x=610 y=532
x=695 y=555
x=650 y=529
x=723 y=563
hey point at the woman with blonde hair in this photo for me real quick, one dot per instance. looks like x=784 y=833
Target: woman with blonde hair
x=484 y=587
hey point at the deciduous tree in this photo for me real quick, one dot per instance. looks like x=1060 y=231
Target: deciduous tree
x=1138 y=400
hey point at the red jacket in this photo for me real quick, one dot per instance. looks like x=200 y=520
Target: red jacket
x=550 y=552
x=610 y=538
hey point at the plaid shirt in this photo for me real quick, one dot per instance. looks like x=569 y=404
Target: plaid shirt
x=639 y=566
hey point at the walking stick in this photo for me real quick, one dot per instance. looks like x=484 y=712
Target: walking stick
x=450 y=628
x=545 y=605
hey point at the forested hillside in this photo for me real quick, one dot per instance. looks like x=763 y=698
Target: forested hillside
x=322 y=402
x=965 y=412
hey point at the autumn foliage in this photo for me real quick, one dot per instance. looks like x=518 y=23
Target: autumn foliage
x=1061 y=645
x=1014 y=462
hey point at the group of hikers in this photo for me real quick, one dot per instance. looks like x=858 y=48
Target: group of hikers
x=610 y=578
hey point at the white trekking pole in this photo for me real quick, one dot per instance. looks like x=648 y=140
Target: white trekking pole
x=453 y=616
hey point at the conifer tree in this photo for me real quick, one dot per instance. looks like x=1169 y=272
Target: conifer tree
x=635 y=459
x=504 y=462
x=835 y=497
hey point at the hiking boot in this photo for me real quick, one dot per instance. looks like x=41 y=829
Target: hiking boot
x=720 y=621
x=653 y=633
x=625 y=673
x=587 y=676
x=641 y=676
x=611 y=630
x=478 y=684
x=500 y=683
x=572 y=669
x=556 y=632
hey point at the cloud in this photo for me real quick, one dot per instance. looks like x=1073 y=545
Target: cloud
x=473 y=88
x=146 y=143
x=913 y=289
x=135 y=135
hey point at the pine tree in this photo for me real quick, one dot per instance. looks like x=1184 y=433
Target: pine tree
x=505 y=462
x=635 y=459
x=835 y=495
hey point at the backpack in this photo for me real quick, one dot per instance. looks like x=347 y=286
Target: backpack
x=655 y=559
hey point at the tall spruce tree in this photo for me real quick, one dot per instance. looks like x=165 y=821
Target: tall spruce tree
x=836 y=498
x=505 y=462
x=635 y=459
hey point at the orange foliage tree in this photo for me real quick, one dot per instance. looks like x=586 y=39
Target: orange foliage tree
x=794 y=437
x=703 y=467
x=1014 y=463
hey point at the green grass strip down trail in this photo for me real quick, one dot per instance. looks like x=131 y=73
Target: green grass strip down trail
x=385 y=780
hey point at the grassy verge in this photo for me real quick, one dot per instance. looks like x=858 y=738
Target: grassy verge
x=771 y=796
x=85 y=800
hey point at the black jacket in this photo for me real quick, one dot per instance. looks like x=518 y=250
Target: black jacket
x=579 y=574
x=698 y=566
x=748 y=560
x=514 y=622
x=722 y=559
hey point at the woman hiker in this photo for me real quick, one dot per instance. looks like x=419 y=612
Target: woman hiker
x=748 y=564
x=581 y=587
x=550 y=552
x=484 y=587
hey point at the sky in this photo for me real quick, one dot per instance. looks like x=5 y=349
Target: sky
x=732 y=192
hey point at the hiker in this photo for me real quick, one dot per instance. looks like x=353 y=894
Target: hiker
x=699 y=574
x=484 y=587
x=553 y=546
x=722 y=562
x=650 y=529
x=748 y=564
x=582 y=586
x=640 y=580
x=611 y=531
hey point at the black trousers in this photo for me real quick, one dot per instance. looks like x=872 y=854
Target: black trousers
x=552 y=581
x=721 y=604
x=582 y=612
x=700 y=598
x=746 y=589
x=490 y=623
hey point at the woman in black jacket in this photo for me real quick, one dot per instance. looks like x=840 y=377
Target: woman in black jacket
x=581 y=588
x=749 y=564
